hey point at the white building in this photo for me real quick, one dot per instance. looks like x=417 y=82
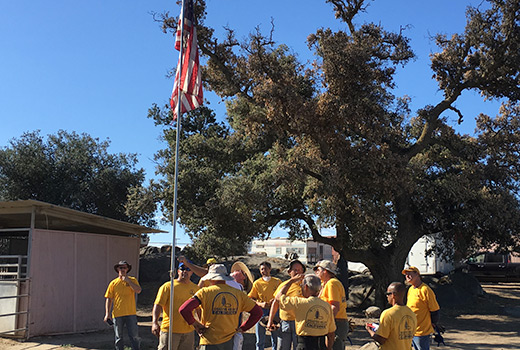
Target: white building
x=308 y=251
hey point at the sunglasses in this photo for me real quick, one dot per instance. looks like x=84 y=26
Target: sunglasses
x=122 y=267
x=389 y=293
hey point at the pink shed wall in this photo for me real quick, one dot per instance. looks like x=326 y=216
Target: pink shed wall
x=69 y=273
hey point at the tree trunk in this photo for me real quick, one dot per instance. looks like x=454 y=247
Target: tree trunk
x=385 y=271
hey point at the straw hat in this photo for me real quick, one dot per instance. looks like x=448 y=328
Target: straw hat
x=240 y=266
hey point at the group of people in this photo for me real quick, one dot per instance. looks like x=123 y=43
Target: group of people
x=308 y=311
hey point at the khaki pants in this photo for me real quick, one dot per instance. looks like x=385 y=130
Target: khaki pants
x=180 y=341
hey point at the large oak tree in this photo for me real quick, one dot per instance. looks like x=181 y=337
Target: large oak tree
x=328 y=147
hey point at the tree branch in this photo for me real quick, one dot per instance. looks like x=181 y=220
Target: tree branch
x=312 y=174
x=316 y=236
x=459 y=113
x=431 y=116
x=346 y=10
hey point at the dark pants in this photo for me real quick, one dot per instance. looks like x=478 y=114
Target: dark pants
x=131 y=326
x=342 y=328
x=311 y=343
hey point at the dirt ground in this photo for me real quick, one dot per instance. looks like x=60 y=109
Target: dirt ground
x=491 y=324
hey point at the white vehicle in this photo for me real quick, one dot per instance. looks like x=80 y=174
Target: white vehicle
x=428 y=264
x=357 y=266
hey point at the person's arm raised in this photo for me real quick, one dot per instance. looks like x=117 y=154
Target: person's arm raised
x=198 y=270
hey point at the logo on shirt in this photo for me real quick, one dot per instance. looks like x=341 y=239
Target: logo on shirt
x=224 y=303
x=406 y=329
x=316 y=317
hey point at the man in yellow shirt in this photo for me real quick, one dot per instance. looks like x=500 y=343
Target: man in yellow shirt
x=120 y=294
x=287 y=331
x=314 y=318
x=333 y=292
x=396 y=324
x=263 y=293
x=221 y=306
x=183 y=289
x=421 y=299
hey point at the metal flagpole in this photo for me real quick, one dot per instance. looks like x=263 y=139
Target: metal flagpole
x=175 y=181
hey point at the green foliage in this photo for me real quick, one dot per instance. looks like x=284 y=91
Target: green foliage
x=75 y=171
x=329 y=146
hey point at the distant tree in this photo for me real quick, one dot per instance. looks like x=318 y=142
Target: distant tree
x=329 y=148
x=75 y=171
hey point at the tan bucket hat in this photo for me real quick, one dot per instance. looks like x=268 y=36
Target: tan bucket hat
x=217 y=272
x=327 y=265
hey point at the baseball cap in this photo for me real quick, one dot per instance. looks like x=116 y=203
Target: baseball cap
x=182 y=266
x=210 y=261
x=411 y=269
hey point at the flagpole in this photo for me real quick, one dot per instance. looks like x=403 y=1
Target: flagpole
x=175 y=181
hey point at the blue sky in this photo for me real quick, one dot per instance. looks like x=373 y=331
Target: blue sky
x=97 y=66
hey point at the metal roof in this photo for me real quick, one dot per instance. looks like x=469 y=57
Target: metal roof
x=17 y=214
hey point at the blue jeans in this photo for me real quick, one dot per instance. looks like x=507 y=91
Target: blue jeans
x=422 y=342
x=131 y=326
x=260 y=334
x=287 y=336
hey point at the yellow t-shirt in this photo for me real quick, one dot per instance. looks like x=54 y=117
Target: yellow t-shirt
x=314 y=316
x=182 y=292
x=333 y=290
x=397 y=325
x=264 y=291
x=123 y=297
x=294 y=291
x=221 y=307
x=422 y=301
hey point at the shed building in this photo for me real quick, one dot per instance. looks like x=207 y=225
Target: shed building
x=55 y=265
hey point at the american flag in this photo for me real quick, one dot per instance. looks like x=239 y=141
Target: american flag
x=189 y=79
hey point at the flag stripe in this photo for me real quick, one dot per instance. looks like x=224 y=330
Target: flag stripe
x=190 y=79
